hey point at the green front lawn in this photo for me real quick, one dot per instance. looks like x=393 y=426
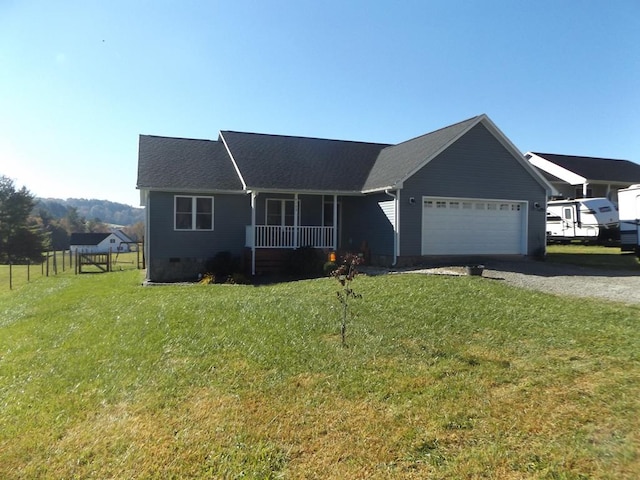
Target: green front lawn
x=592 y=256
x=443 y=377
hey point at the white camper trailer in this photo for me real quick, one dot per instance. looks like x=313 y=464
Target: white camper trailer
x=586 y=219
x=629 y=205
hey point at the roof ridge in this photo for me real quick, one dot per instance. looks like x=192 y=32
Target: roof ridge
x=582 y=156
x=437 y=130
x=179 y=138
x=302 y=137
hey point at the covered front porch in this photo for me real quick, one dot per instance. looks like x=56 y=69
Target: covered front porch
x=279 y=221
x=278 y=236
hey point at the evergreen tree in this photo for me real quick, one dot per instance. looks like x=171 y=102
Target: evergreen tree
x=19 y=241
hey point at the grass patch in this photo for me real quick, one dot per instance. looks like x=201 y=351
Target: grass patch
x=443 y=377
x=592 y=256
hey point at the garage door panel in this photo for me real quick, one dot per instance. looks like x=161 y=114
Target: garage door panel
x=463 y=226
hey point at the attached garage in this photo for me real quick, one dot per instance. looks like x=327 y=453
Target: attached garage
x=465 y=226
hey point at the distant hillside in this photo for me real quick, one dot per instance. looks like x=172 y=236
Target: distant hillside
x=103 y=210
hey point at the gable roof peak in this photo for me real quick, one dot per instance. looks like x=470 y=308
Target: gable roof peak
x=467 y=123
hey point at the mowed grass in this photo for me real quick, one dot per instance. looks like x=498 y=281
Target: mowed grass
x=443 y=377
x=596 y=256
x=17 y=276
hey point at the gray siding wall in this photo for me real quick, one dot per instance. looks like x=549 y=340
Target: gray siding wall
x=476 y=166
x=364 y=221
x=179 y=255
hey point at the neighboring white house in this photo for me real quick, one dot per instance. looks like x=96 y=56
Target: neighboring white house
x=115 y=241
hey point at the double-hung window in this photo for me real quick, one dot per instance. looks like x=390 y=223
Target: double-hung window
x=281 y=212
x=193 y=213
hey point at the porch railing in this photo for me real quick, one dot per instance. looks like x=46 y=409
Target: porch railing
x=275 y=236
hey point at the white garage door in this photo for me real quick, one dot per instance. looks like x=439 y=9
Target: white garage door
x=459 y=226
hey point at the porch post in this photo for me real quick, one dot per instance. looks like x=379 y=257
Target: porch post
x=253 y=232
x=335 y=222
x=295 y=221
x=584 y=190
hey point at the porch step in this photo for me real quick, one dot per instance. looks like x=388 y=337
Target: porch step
x=268 y=260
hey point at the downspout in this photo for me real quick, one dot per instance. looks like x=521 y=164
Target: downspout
x=335 y=223
x=253 y=232
x=295 y=221
x=146 y=240
x=396 y=223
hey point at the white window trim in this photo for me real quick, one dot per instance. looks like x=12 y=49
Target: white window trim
x=194 y=202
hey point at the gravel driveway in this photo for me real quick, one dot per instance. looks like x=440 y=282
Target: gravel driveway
x=615 y=285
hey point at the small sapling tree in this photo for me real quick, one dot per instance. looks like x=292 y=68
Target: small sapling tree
x=345 y=273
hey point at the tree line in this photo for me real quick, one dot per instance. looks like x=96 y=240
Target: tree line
x=31 y=226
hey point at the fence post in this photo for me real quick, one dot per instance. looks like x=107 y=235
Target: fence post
x=10 y=276
x=63 y=252
x=47 y=264
x=55 y=263
x=144 y=258
x=28 y=271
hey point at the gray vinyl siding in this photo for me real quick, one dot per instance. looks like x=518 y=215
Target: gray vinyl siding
x=364 y=221
x=476 y=166
x=168 y=248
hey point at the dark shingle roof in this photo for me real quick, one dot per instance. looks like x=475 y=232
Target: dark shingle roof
x=252 y=161
x=597 y=169
x=185 y=164
x=87 y=238
x=301 y=163
x=397 y=162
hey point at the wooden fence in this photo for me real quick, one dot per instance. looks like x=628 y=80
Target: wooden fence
x=67 y=262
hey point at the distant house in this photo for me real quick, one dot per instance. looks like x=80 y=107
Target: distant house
x=462 y=191
x=582 y=177
x=115 y=241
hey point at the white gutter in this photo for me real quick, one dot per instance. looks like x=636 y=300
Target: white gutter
x=396 y=224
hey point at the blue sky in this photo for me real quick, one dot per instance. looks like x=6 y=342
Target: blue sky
x=80 y=80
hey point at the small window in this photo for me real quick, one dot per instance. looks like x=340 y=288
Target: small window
x=492 y=206
x=480 y=206
x=515 y=206
x=428 y=203
x=504 y=206
x=112 y=240
x=567 y=213
x=467 y=205
x=454 y=204
x=193 y=213
x=441 y=204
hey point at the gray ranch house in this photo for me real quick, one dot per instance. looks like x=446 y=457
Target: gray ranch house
x=461 y=191
x=574 y=176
